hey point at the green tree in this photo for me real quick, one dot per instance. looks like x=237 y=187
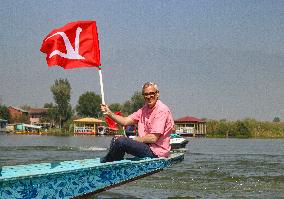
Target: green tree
x=115 y=107
x=276 y=119
x=4 y=112
x=52 y=113
x=126 y=108
x=137 y=101
x=132 y=105
x=89 y=105
x=61 y=90
x=243 y=129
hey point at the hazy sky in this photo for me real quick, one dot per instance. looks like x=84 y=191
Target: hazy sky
x=210 y=59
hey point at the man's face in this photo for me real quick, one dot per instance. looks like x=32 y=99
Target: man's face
x=150 y=96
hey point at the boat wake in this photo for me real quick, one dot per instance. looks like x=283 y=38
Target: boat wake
x=52 y=148
x=92 y=148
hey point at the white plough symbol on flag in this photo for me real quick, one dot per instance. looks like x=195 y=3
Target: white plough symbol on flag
x=71 y=53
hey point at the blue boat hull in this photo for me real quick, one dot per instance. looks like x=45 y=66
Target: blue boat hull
x=76 y=178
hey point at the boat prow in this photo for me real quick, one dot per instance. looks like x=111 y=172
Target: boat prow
x=78 y=178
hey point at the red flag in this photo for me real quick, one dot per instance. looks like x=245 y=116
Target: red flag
x=111 y=123
x=74 y=45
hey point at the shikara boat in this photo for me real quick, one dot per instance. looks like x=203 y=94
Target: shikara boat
x=28 y=129
x=76 y=179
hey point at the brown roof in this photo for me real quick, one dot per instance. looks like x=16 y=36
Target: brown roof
x=38 y=110
x=17 y=108
x=188 y=119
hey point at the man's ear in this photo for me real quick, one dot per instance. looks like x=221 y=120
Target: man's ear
x=158 y=94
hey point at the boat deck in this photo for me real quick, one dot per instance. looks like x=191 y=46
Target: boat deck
x=68 y=179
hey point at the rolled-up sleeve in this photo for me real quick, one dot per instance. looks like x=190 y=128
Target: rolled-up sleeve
x=136 y=115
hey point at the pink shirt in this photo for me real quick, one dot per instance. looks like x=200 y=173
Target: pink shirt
x=156 y=120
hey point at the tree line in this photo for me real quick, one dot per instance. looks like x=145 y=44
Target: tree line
x=61 y=113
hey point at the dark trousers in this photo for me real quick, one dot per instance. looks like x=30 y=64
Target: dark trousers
x=121 y=145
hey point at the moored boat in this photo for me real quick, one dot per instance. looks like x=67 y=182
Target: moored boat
x=78 y=178
x=3 y=124
x=177 y=141
x=28 y=129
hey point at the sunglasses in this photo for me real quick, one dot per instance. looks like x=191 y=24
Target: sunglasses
x=151 y=94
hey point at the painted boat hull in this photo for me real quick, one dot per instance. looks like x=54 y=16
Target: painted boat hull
x=78 y=178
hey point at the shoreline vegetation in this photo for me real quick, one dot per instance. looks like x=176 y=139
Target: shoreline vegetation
x=247 y=128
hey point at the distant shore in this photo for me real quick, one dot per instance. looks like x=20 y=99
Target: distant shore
x=247 y=128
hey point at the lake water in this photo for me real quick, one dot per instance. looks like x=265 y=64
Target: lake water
x=212 y=168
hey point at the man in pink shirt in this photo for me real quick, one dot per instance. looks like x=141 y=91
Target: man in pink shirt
x=155 y=123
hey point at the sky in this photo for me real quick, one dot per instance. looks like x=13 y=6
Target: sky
x=210 y=59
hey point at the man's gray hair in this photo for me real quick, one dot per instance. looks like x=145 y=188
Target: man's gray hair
x=147 y=84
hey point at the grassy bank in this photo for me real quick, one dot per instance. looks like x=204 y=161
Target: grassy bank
x=247 y=128
x=59 y=132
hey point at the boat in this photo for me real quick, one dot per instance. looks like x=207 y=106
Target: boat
x=177 y=141
x=28 y=129
x=77 y=178
x=3 y=125
x=102 y=130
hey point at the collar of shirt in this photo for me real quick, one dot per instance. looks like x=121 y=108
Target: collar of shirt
x=150 y=110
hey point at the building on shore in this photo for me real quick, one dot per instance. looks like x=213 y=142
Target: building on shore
x=86 y=126
x=190 y=126
x=36 y=115
x=17 y=113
